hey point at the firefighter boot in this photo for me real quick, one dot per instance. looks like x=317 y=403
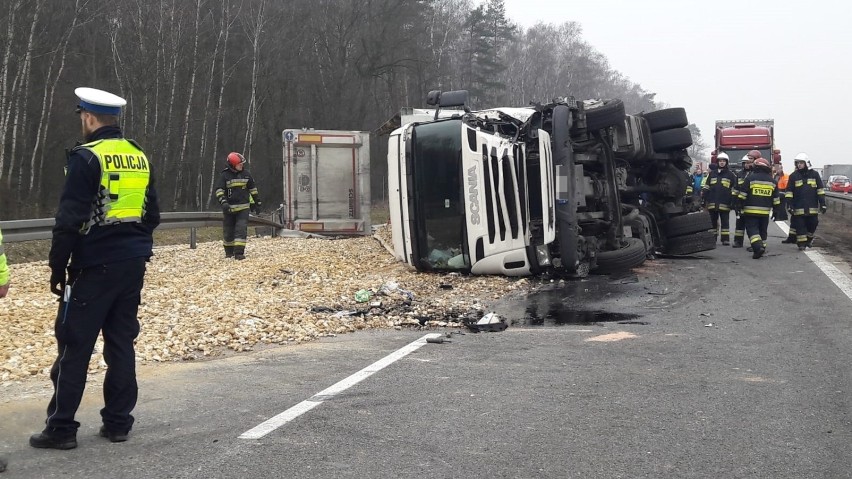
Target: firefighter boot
x=758 y=251
x=239 y=252
x=229 y=251
x=791 y=239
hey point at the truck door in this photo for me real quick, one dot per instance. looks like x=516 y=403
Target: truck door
x=327 y=181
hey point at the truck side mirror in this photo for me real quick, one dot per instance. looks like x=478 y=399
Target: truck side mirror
x=452 y=98
x=433 y=97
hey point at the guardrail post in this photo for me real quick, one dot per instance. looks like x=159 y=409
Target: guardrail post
x=193 y=233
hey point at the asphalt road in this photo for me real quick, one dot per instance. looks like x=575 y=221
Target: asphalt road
x=716 y=366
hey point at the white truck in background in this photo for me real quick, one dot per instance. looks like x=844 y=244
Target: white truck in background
x=566 y=187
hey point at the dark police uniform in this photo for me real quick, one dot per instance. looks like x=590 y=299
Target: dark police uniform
x=107 y=213
x=238 y=191
x=718 y=191
x=758 y=195
x=806 y=198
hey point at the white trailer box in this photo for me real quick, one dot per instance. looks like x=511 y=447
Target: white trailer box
x=327 y=181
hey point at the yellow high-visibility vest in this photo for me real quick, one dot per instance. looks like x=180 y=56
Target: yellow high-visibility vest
x=125 y=175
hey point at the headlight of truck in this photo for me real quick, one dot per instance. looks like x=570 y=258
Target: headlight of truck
x=542 y=255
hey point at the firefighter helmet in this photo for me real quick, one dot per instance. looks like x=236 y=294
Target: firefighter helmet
x=802 y=157
x=754 y=154
x=762 y=163
x=235 y=159
x=745 y=159
x=722 y=156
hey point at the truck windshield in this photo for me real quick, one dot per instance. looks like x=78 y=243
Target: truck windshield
x=439 y=193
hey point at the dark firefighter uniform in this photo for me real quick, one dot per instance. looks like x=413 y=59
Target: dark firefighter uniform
x=235 y=191
x=107 y=213
x=739 y=229
x=718 y=192
x=757 y=196
x=805 y=198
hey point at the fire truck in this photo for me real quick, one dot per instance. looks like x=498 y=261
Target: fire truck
x=737 y=137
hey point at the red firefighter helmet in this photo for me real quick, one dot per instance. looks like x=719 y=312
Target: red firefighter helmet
x=762 y=163
x=754 y=154
x=235 y=159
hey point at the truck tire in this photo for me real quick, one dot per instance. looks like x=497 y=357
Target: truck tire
x=609 y=114
x=630 y=255
x=666 y=119
x=671 y=140
x=681 y=245
x=688 y=224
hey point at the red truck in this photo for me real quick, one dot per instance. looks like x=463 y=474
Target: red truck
x=737 y=137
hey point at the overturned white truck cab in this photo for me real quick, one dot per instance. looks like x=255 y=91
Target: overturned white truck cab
x=566 y=187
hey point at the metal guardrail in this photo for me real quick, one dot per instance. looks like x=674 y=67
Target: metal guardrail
x=839 y=204
x=40 y=229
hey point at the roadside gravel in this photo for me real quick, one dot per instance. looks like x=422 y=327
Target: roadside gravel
x=196 y=304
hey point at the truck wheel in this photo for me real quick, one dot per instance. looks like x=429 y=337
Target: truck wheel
x=610 y=113
x=688 y=224
x=671 y=140
x=666 y=119
x=706 y=240
x=630 y=255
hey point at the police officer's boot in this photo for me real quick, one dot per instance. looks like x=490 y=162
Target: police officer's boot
x=229 y=251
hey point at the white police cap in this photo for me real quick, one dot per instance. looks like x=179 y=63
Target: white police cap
x=99 y=101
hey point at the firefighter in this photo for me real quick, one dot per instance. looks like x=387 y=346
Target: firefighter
x=746 y=162
x=805 y=199
x=757 y=196
x=236 y=192
x=108 y=210
x=717 y=192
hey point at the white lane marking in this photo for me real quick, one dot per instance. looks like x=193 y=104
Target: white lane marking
x=838 y=277
x=835 y=275
x=784 y=227
x=275 y=422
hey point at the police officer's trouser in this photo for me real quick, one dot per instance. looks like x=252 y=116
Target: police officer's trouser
x=725 y=217
x=234 y=232
x=103 y=298
x=805 y=226
x=756 y=227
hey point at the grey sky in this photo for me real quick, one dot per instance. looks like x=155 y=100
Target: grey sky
x=799 y=71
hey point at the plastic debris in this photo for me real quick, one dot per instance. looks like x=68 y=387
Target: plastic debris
x=488 y=323
x=439 y=340
x=363 y=295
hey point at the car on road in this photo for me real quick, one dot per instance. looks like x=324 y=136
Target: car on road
x=839 y=184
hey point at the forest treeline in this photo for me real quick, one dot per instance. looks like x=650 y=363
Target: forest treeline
x=205 y=77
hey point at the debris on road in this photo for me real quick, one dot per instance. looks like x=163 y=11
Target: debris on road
x=299 y=290
x=488 y=323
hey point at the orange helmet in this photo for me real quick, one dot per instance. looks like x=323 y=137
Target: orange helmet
x=761 y=163
x=235 y=159
x=754 y=154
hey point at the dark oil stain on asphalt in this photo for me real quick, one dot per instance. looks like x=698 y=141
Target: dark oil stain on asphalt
x=561 y=316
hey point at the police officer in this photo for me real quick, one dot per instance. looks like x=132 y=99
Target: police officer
x=746 y=162
x=237 y=194
x=4 y=289
x=805 y=199
x=758 y=195
x=717 y=192
x=108 y=210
